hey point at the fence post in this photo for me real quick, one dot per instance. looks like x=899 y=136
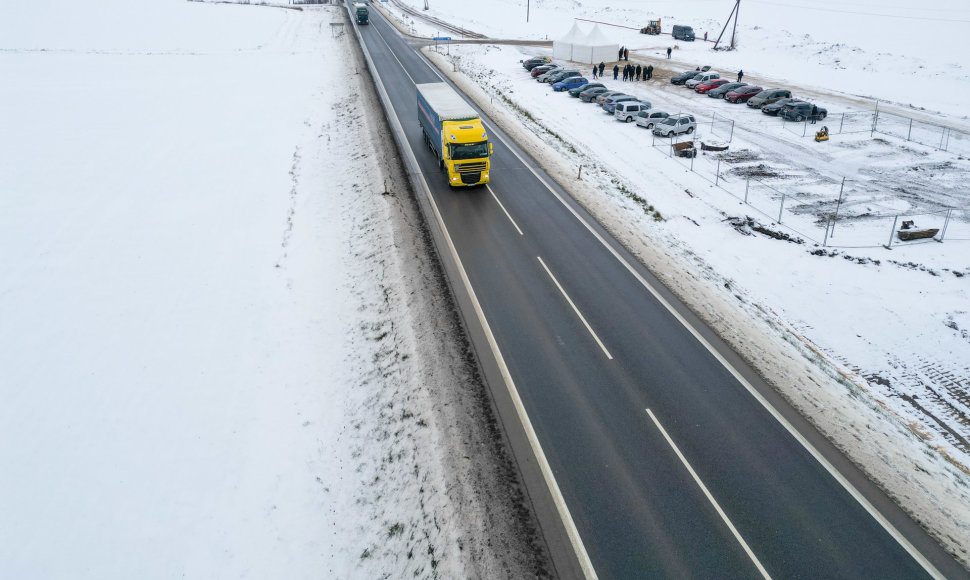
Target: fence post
x=828 y=225
x=841 y=122
x=891 y=232
x=910 y=132
x=804 y=127
x=942 y=137
x=731 y=137
x=946 y=222
x=747 y=183
x=781 y=208
x=717 y=175
x=692 y=160
x=838 y=206
x=875 y=120
x=713 y=116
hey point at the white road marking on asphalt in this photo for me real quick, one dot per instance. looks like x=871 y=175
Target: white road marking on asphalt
x=576 y=310
x=845 y=483
x=550 y=479
x=503 y=209
x=710 y=497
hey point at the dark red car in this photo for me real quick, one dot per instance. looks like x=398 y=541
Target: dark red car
x=711 y=84
x=742 y=94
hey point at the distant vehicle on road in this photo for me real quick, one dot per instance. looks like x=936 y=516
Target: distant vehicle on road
x=768 y=96
x=675 y=125
x=719 y=92
x=650 y=118
x=742 y=94
x=801 y=111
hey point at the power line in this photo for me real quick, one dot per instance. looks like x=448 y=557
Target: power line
x=833 y=10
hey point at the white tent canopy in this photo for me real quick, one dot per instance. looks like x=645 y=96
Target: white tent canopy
x=580 y=47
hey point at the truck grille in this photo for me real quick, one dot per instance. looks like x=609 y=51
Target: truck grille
x=470 y=167
x=470 y=178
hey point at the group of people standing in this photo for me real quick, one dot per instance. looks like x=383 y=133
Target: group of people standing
x=630 y=72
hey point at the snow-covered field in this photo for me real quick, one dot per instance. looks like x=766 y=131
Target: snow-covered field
x=224 y=351
x=872 y=343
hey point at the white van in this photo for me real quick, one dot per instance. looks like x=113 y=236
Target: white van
x=702 y=78
x=627 y=111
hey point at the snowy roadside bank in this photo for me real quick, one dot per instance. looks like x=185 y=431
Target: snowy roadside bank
x=226 y=347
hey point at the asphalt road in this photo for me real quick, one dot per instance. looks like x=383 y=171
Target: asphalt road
x=668 y=462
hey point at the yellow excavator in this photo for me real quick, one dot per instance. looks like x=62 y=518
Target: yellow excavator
x=652 y=28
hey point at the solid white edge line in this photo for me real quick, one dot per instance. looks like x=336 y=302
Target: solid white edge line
x=576 y=310
x=710 y=497
x=856 y=494
x=507 y=214
x=571 y=531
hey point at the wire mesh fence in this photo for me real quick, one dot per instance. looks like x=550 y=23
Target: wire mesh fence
x=797 y=211
x=722 y=126
x=853 y=122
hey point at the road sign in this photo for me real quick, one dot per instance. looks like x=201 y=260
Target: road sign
x=436 y=38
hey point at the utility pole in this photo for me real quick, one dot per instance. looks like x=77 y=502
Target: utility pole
x=734 y=13
x=527 y=11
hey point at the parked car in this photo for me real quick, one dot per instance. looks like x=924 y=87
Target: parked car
x=711 y=84
x=535 y=61
x=543 y=69
x=569 y=83
x=801 y=111
x=768 y=96
x=574 y=92
x=675 y=125
x=650 y=118
x=556 y=76
x=742 y=94
x=628 y=111
x=719 y=92
x=609 y=105
x=590 y=94
x=603 y=96
x=682 y=33
x=701 y=78
x=777 y=106
x=683 y=77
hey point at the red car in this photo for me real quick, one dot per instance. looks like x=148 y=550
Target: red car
x=711 y=84
x=742 y=94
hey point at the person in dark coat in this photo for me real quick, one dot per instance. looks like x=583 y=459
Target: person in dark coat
x=594 y=72
x=602 y=66
x=649 y=72
x=814 y=114
x=637 y=72
x=668 y=51
x=620 y=56
x=626 y=72
x=616 y=71
x=626 y=54
x=740 y=74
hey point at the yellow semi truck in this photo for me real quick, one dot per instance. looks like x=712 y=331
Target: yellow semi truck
x=454 y=131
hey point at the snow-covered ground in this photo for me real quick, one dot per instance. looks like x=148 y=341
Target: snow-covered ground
x=224 y=351
x=872 y=343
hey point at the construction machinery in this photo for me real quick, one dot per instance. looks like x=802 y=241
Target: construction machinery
x=653 y=27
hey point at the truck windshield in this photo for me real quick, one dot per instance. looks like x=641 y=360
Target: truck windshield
x=469 y=150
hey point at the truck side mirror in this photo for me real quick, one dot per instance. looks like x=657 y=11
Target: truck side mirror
x=489 y=148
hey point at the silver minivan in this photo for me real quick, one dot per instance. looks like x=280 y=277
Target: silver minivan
x=675 y=125
x=628 y=111
x=702 y=77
